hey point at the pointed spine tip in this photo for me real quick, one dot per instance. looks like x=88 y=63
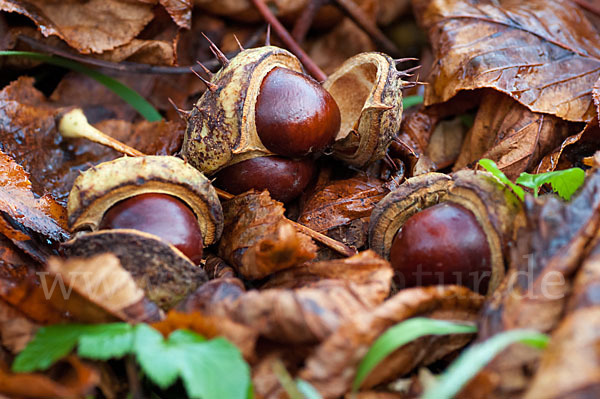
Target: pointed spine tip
x=211 y=86
x=268 y=36
x=217 y=52
x=183 y=114
x=205 y=70
x=238 y=43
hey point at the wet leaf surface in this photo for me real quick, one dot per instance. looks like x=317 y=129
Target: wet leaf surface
x=258 y=240
x=342 y=208
x=542 y=54
x=78 y=23
x=511 y=135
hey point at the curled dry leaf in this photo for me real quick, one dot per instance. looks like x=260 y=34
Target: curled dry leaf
x=209 y=327
x=369 y=272
x=511 y=135
x=90 y=27
x=16 y=330
x=570 y=363
x=342 y=208
x=20 y=286
x=97 y=290
x=533 y=294
x=258 y=240
x=74 y=381
x=542 y=54
x=180 y=11
x=304 y=315
x=332 y=367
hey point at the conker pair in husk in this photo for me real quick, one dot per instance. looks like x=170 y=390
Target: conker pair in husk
x=260 y=104
x=155 y=213
x=260 y=93
x=440 y=229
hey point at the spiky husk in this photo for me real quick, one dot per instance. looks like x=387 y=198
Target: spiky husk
x=221 y=129
x=367 y=89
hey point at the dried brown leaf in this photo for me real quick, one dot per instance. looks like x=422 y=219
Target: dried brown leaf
x=570 y=364
x=258 y=240
x=303 y=315
x=543 y=54
x=369 y=272
x=16 y=330
x=74 y=381
x=332 y=367
x=534 y=292
x=511 y=135
x=93 y=26
x=342 y=208
x=180 y=11
x=20 y=286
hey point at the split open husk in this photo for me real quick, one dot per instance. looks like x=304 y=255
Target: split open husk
x=367 y=89
x=496 y=209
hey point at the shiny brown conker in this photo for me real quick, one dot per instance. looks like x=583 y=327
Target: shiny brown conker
x=161 y=215
x=295 y=116
x=443 y=244
x=284 y=178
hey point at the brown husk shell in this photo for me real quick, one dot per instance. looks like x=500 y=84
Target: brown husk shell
x=102 y=290
x=367 y=89
x=96 y=190
x=494 y=207
x=221 y=129
x=161 y=270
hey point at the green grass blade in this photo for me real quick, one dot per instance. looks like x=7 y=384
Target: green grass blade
x=471 y=361
x=401 y=334
x=410 y=101
x=128 y=95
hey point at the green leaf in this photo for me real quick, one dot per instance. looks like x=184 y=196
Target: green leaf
x=564 y=182
x=50 y=344
x=472 y=360
x=410 y=101
x=208 y=369
x=307 y=389
x=105 y=341
x=401 y=334
x=216 y=369
x=491 y=167
x=156 y=357
x=129 y=95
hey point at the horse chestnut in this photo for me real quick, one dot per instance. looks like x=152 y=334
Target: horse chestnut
x=295 y=116
x=161 y=215
x=284 y=178
x=443 y=244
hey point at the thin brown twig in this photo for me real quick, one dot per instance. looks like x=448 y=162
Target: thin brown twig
x=134 y=67
x=305 y=20
x=356 y=13
x=289 y=41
